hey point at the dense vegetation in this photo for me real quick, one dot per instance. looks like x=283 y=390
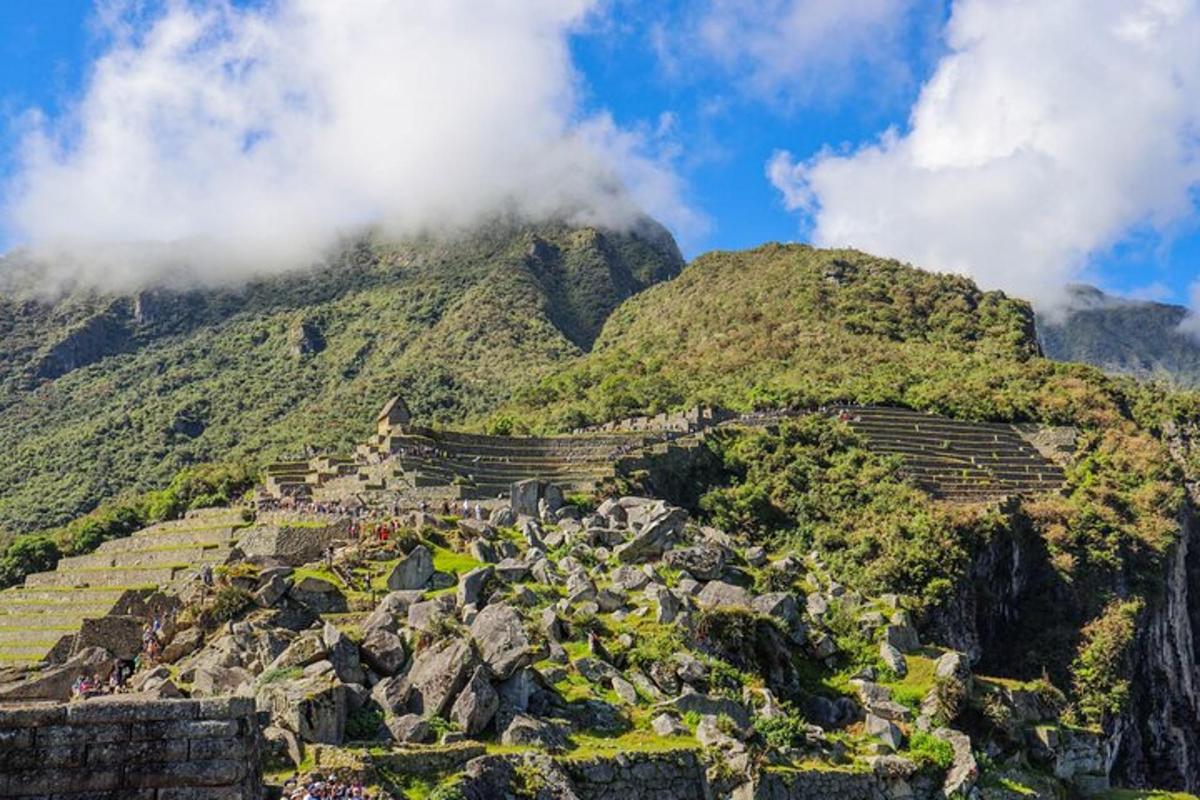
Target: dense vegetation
x=100 y=395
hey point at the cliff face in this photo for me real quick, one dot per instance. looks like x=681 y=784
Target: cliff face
x=1157 y=742
x=1002 y=610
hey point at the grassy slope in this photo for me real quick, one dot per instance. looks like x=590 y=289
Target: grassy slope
x=178 y=379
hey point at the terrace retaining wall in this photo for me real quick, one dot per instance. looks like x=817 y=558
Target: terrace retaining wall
x=123 y=748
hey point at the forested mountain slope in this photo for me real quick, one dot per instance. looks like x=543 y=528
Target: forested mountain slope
x=102 y=394
x=1130 y=337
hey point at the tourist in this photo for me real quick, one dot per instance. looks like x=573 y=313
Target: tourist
x=478 y=511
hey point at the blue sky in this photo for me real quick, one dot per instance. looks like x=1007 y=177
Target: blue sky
x=703 y=96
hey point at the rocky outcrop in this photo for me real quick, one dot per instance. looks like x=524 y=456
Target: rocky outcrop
x=1157 y=742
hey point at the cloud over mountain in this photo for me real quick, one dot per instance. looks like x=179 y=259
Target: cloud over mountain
x=217 y=140
x=1048 y=133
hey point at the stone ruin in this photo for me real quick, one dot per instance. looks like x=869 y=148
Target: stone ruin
x=954 y=460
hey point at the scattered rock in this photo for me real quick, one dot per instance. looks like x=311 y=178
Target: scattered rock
x=719 y=593
x=413 y=571
x=525 y=730
x=499 y=632
x=476 y=704
x=704 y=562
x=669 y=725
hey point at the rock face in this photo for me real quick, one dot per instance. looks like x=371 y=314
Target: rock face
x=436 y=677
x=413 y=571
x=504 y=646
x=1157 y=742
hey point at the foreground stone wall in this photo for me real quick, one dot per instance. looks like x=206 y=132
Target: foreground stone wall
x=638 y=776
x=125 y=747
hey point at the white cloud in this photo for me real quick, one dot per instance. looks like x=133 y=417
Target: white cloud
x=1049 y=132
x=224 y=139
x=793 y=50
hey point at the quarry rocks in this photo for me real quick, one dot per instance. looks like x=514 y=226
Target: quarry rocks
x=499 y=633
x=413 y=571
x=436 y=677
x=476 y=704
x=654 y=538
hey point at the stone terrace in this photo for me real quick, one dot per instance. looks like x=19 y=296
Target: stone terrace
x=956 y=460
x=416 y=461
x=50 y=607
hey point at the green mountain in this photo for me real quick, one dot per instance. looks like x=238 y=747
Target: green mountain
x=101 y=394
x=1129 y=337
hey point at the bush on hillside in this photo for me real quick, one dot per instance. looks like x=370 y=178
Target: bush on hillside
x=25 y=556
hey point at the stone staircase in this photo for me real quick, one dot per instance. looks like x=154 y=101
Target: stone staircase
x=956 y=460
x=36 y=617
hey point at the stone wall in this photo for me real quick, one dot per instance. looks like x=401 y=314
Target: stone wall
x=835 y=784
x=638 y=776
x=125 y=747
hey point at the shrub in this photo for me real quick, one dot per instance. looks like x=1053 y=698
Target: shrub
x=26 y=555
x=1100 y=672
x=230 y=602
x=929 y=752
x=364 y=724
x=782 y=731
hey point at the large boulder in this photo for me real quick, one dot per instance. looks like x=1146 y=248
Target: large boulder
x=704 y=561
x=413 y=571
x=525 y=496
x=504 y=645
x=314 y=707
x=719 y=593
x=183 y=644
x=383 y=651
x=527 y=731
x=343 y=654
x=436 y=676
x=410 y=729
x=655 y=537
x=477 y=703
x=472 y=584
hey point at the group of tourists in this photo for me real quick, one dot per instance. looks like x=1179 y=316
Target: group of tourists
x=330 y=788
x=88 y=686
